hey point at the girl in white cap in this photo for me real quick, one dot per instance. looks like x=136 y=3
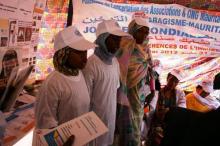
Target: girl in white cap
x=102 y=76
x=169 y=96
x=64 y=96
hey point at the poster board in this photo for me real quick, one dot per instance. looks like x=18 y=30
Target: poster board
x=20 y=22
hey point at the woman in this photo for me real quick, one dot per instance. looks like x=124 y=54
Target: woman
x=169 y=97
x=102 y=76
x=64 y=95
x=135 y=66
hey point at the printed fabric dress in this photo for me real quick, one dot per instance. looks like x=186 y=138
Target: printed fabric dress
x=134 y=61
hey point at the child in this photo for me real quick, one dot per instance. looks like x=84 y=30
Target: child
x=102 y=76
x=64 y=95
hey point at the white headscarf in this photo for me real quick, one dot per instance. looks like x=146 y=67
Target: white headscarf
x=209 y=101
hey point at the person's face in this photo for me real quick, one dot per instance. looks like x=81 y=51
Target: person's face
x=172 y=81
x=4 y=42
x=141 y=34
x=77 y=59
x=202 y=93
x=113 y=43
x=8 y=65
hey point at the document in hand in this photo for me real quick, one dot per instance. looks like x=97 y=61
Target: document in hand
x=85 y=128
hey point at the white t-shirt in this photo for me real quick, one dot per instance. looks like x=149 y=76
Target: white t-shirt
x=61 y=98
x=180 y=98
x=102 y=81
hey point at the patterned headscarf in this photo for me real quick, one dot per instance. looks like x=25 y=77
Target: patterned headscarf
x=101 y=51
x=141 y=60
x=59 y=60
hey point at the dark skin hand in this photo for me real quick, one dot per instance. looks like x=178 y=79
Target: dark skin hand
x=70 y=141
x=149 y=97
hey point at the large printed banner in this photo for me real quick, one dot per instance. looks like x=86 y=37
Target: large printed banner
x=182 y=38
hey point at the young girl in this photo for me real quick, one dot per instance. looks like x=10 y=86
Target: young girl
x=64 y=95
x=102 y=76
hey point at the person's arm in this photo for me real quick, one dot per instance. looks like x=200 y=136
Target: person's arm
x=46 y=107
x=88 y=73
x=153 y=103
x=181 y=100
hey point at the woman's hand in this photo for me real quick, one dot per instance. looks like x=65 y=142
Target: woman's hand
x=70 y=141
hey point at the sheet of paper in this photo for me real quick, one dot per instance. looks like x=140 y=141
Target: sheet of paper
x=85 y=128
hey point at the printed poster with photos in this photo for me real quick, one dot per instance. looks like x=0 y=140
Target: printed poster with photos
x=20 y=21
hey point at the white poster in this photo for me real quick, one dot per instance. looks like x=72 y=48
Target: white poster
x=17 y=9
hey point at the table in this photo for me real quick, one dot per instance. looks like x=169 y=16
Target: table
x=20 y=122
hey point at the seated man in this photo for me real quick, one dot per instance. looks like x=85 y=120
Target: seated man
x=200 y=100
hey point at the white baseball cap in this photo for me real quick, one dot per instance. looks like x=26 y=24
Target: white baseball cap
x=110 y=26
x=141 y=21
x=207 y=85
x=158 y=67
x=71 y=37
x=177 y=74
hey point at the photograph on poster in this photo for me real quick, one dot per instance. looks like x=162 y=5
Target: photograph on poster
x=21 y=34
x=40 y=4
x=39 y=17
x=3 y=32
x=4 y=42
x=34 y=23
x=3 y=37
x=28 y=34
x=12 y=33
